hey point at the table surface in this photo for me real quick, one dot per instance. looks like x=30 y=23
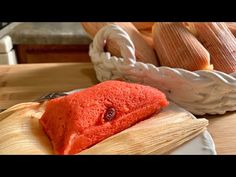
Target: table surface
x=25 y=82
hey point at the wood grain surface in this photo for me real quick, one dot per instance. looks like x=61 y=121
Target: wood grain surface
x=25 y=82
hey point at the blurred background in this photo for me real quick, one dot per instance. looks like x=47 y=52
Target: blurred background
x=43 y=42
x=2 y=24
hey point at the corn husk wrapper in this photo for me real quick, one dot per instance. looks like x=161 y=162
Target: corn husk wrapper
x=177 y=47
x=220 y=42
x=143 y=51
x=143 y=25
x=147 y=35
x=232 y=27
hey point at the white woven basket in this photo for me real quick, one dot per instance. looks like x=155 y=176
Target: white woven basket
x=200 y=92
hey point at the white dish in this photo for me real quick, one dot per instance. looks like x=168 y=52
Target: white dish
x=201 y=145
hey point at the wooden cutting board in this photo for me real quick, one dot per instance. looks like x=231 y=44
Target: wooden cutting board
x=20 y=133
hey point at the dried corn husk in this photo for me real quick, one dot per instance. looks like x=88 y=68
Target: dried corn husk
x=17 y=107
x=220 y=42
x=158 y=139
x=143 y=25
x=177 y=47
x=147 y=35
x=232 y=27
x=21 y=133
x=143 y=51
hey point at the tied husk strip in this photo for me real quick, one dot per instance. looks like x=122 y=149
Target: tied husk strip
x=143 y=51
x=220 y=42
x=177 y=47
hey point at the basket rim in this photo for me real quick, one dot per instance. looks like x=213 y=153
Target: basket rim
x=200 y=92
x=198 y=73
x=128 y=56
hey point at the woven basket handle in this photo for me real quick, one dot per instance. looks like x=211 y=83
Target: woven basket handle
x=123 y=40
